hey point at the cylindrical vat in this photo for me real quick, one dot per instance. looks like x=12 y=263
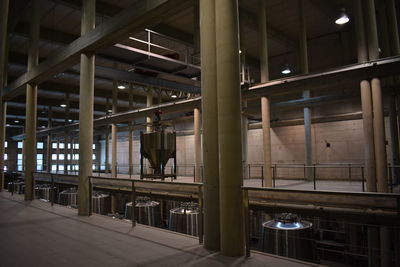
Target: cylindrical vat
x=16 y=187
x=289 y=236
x=44 y=192
x=147 y=211
x=184 y=219
x=69 y=197
x=101 y=203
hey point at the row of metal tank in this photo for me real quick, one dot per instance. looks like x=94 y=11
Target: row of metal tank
x=286 y=234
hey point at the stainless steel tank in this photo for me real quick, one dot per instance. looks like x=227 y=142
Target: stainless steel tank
x=158 y=147
x=17 y=187
x=69 y=197
x=289 y=236
x=184 y=219
x=147 y=211
x=101 y=203
x=44 y=192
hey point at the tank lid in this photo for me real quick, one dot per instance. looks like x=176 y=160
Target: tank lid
x=287 y=221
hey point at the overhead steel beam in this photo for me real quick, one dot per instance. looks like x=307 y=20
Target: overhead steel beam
x=328 y=79
x=130 y=20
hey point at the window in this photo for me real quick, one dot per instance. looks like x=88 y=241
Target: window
x=76 y=156
x=69 y=146
x=5 y=168
x=61 y=145
x=76 y=146
x=5 y=144
x=5 y=156
x=20 y=144
x=39 y=156
x=53 y=167
x=19 y=156
x=94 y=156
x=61 y=157
x=54 y=156
x=61 y=167
x=54 y=145
x=93 y=167
x=39 y=167
x=39 y=162
x=68 y=156
x=39 y=145
x=94 y=146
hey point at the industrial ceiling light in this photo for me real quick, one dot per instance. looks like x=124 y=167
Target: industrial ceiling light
x=286 y=70
x=343 y=19
x=121 y=87
x=63 y=105
x=16 y=121
x=8 y=125
x=174 y=95
x=69 y=120
x=109 y=111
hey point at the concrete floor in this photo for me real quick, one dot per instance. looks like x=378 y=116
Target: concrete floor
x=36 y=234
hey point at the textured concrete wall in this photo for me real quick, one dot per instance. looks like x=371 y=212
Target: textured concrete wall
x=339 y=143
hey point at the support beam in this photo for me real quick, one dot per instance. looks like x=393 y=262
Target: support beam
x=229 y=128
x=265 y=103
x=197 y=146
x=3 y=75
x=129 y=21
x=210 y=125
x=114 y=129
x=31 y=104
x=86 y=113
x=393 y=27
x=394 y=144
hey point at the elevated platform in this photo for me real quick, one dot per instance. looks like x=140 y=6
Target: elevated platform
x=36 y=234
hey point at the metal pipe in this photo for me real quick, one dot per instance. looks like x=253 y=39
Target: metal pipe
x=86 y=113
x=31 y=104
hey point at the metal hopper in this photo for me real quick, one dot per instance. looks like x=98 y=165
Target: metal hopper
x=157 y=147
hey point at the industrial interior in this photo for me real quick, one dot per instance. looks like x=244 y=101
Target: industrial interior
x=200 y=132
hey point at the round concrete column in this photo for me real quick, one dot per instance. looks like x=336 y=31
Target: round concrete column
x=86 y=103
x=210 y=125
x=31 y=104
x=265 y=105
x=197 y=146
x=229 y=128
x=3 y=75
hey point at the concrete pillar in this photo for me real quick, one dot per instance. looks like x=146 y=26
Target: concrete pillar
x=306 y=93
x=114 y=136
x=3 y=78
x=149 y=103
x=196 y=32
x=49 y=137
x=210 y=125
x=86 y=113
x=392 y=27
x=245 y=123
x=197 y=146
x=366 y=100
x=265 y=104
x=379 y=136
x=31 y=104
x=66 y=134
x=394 y=139
x=130 y=134
x=377 y=104
x=107 y=150
x=229 y=128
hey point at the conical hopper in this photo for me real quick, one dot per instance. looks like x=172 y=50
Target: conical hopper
x=158 y=148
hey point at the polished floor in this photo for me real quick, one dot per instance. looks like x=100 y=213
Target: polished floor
x=37 y=234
